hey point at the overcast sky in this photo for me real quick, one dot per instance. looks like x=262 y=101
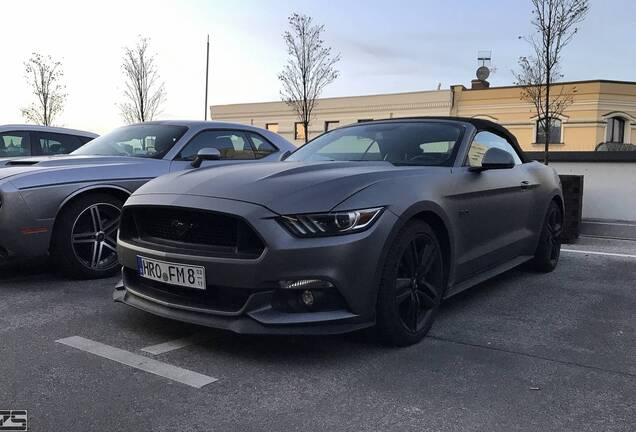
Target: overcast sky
x=385 y=47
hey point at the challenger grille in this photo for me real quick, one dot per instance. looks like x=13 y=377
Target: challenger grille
x=191 y=231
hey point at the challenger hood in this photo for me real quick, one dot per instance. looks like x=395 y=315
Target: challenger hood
x=36 y=171
x=283 y=187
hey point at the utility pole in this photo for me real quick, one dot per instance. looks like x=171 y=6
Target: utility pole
x=207 y=68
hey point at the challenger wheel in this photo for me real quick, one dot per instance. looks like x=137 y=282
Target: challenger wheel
x=412 y=286
x=548 y=250
x=85 y=237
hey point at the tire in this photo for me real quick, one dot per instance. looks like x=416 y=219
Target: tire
x=546 y=257
x=411 y=290
x=85 y=237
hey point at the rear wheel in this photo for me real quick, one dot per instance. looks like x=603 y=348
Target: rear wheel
x=548 y=250
x=85 y=237
x=412 y=286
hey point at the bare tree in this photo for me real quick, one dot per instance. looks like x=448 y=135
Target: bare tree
x=44 y=75
x=143 y=93
x=310 y=67
x=555 y=24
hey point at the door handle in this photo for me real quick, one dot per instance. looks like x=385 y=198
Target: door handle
x=525 y=184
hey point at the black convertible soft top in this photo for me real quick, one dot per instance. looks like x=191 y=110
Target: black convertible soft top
x=479 y=124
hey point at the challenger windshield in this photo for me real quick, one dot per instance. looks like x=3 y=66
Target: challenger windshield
x=142 y=140
x=401 y=143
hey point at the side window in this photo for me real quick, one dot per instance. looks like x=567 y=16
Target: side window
x=262 y=147
x=14 y=144
x=231 y=145
x=53 y=143
x=485 y=140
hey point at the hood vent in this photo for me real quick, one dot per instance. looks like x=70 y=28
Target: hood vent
x=21 y=163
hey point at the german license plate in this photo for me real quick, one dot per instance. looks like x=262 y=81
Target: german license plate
x=171 y=273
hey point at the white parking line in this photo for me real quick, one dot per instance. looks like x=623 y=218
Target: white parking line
x=137 y=361
x=173 y=345
x=598 y=253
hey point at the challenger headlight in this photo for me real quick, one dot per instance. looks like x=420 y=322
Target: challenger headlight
x=328 y=224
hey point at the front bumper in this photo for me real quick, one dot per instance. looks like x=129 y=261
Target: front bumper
x=349 y=262
x=22 y=235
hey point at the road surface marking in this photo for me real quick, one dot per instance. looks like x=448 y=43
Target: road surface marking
x=137 y=361
x=173 y=344
x=599 y=253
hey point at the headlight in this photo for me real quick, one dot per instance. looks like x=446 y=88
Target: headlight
x=327 y=224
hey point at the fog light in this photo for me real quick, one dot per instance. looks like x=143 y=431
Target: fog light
x=305 y=284
x=307 y=297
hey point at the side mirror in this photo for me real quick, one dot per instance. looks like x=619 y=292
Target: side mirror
x=495 y=158
x=284 y=155
x=204 y=154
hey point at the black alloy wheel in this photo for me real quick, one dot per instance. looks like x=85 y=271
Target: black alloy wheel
x=555 y=230
x=548 y=250
x=412 y=285
x=418 y=285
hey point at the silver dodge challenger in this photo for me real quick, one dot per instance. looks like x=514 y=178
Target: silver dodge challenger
x=68 y=206
x=369 y=224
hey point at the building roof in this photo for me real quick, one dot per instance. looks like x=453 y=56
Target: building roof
x=600 y=81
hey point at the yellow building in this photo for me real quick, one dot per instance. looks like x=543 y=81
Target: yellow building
x=601 y=112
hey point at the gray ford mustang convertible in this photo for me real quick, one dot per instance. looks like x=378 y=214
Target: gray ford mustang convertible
x=370 y=224
x=68 y=206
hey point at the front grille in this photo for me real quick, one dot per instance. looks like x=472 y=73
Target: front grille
x=192 y=231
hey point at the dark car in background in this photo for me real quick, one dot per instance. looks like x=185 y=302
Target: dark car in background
x=369 y=224
x=33 y=140
x=68 y=206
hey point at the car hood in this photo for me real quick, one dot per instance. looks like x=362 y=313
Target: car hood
x=50 y=169
x=283 y=187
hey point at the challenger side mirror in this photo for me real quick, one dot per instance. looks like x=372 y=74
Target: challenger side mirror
x=207 y=153
x=284 y=155
x=495 y=158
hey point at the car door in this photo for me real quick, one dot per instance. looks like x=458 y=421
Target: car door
x=233 y=145
x=15 y=144
x=491 y=208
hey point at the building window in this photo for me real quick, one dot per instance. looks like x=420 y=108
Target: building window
x=299 y=131
x=364 y=120
x=331 y=124
x=555 y=131
x=615 y=130
x=272 y=127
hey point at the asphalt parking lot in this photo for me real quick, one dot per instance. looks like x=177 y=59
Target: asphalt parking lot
x=523 y=352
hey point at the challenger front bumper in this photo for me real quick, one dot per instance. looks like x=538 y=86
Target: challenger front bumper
x=349 y=262
x=22 y=236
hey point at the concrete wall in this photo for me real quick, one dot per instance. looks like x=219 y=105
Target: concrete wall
x=609 y=190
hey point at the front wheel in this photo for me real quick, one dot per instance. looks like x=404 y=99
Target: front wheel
x=548 y=251
x=412 y=286
x=85 y=237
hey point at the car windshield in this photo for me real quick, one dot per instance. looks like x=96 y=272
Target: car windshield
x=401 y=143
x=142 y=140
